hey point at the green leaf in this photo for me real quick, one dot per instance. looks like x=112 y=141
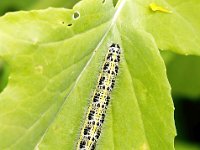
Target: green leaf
x=54 y=62
x=183 y=74
x=177 y=31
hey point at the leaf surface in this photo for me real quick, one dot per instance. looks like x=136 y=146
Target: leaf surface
x=54 y=61
x=177 y=31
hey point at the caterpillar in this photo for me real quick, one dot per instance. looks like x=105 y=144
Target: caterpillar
x=96 y=113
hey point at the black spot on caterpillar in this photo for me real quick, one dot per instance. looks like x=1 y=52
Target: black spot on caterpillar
x=96 y=113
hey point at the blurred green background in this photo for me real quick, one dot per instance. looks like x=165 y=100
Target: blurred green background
x=184 y=76
x=15 y=5
x=4 y=72
x=183 y=73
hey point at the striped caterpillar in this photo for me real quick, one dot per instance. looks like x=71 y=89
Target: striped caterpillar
x=91 y=129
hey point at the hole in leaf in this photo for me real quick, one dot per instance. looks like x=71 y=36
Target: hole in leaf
x=4 y=73
x=69 y=25
x=115 y=2
x=76 y=15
